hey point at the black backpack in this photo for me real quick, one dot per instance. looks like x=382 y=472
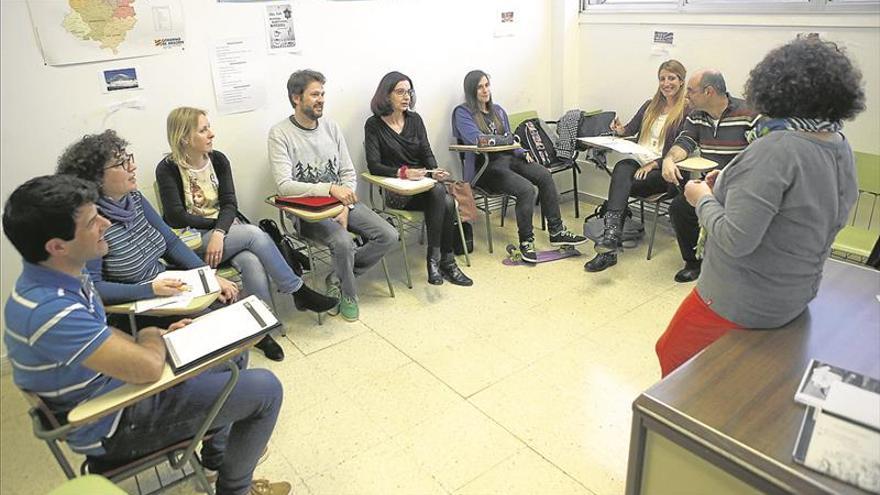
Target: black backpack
x=533 y=137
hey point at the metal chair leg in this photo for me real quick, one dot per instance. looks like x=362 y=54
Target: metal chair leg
x=313 y=272
x=467 y=258
x=387 y=277
x=577 y=193
x=402 y=238
x=653 y=229
x=488 y=222
x=505 y=201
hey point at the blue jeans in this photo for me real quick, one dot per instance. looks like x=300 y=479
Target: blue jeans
x=248 y=417
x=349 y=260
x=253 y=253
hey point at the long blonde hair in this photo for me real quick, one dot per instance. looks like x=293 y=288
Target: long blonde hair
x=181 y=122
x=658 y=102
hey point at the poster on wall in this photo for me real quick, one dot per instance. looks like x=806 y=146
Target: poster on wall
x=279 y=28
x=123 y=79
x=506 y=18
x=81 y=31
x=238 y=70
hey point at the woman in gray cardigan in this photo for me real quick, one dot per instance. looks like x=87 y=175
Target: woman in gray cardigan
x=769 y=219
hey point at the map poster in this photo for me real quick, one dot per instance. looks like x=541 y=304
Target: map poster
x=81 y=31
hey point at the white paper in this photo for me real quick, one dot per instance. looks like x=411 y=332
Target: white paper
x=90 y=31
x=407 y=184
x=855 y=403
x=279 y=28
x=845 y=451
x=506 y=18
x=623 y=146
x=238 y=73
x=192 y=279
x=217 y=330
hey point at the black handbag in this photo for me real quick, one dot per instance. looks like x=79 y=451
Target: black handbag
x=297 y=261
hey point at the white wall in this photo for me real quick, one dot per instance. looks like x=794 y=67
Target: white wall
x=618 y=69
x=353 y=43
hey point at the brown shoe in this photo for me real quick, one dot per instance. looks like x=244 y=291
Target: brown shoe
x=263 y=487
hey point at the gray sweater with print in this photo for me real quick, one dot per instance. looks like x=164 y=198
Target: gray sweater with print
x=306 y=162
x=771 y=221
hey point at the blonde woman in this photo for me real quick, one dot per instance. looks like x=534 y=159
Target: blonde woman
x=197 y=190
x=655 y=126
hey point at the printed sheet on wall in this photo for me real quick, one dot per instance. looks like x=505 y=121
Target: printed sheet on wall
x=81 y=31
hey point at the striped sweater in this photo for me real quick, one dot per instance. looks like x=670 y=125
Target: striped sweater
x=721 y=140
x=134 y=256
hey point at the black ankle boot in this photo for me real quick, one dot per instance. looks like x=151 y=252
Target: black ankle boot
x=434 y=275
x=611 y=238
x=450 y=271
x=601 y=262
x=270 y=348
x=306 y=299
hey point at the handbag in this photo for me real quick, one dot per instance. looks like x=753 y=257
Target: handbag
x=487 y=140
x=464 y=195
x=297 y=261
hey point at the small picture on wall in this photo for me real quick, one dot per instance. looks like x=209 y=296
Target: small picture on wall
x=120 y=79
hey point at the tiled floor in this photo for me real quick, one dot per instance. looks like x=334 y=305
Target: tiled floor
x=521 y=384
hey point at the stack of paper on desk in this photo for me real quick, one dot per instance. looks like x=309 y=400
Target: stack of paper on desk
x=199 y=282
x=623 y=146
x=217 y=332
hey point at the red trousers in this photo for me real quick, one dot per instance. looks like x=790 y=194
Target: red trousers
x=691 y=330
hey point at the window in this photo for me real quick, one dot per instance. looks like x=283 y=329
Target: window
x=732 y=6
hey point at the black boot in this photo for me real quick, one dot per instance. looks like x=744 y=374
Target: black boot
x=434 y=275
x=612 y=237
x=271 y=348
x=306 y=299
x=450 y=271
x=601 y=262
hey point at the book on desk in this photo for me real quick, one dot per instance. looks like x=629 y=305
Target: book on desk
x=218 y=332
x=840 y=431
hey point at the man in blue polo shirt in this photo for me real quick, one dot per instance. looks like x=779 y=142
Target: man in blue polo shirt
x=61 y=348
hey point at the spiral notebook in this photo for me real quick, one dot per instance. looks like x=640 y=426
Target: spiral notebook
x=218 y=332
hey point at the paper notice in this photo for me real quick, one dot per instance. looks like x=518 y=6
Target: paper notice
x=238 y=72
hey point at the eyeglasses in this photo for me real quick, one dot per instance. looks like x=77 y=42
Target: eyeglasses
x=401 y=92
x=126 y=160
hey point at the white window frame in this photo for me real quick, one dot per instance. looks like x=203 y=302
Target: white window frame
x=735 y=6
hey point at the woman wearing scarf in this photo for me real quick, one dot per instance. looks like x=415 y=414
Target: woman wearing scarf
x=770 y=217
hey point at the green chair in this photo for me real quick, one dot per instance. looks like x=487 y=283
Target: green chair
x=859 y=236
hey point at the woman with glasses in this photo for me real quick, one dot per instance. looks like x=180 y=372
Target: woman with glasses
x=655 y=126
x=396 y=145
x=197 y=190
x=511 y=172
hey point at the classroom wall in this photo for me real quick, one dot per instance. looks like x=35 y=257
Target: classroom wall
x=618 y=64
x=353 y=43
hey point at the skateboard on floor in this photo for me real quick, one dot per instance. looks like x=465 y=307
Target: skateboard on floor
x=514 y=257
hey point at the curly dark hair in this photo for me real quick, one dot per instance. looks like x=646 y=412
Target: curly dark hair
x=806 y=78
x=87 y=157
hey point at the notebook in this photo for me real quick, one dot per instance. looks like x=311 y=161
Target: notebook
x=308 y=203
x=199 y=281
x=218 y=332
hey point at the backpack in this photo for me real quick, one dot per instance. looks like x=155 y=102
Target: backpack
x=535 y=137
x=594 y=227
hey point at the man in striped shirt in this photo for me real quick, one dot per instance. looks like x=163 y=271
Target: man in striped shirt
x=61 y=348
x=717 y=126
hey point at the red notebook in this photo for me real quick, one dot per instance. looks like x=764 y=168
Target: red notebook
x=308 y=203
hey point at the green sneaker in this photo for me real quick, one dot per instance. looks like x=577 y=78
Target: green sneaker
x=333 y=290
x=348 y=308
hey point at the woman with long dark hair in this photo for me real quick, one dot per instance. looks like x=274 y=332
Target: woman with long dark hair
x=770 y=217
x=513 y=172
x=396 y=145
x=655 y=126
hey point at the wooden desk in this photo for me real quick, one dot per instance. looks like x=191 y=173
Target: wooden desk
x=129 y=394
x=196 y=305
x=697 y=164
x=307 y=215
x=726 y=421
x=397 y=186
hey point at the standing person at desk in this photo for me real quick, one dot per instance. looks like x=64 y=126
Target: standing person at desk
x=62 y=349
x=511 y=172
x=137 y=236
x=718 y=126
x=309 y=157
x=655 y=126
x=772 y=214
x=396 y=145
x=197 y=190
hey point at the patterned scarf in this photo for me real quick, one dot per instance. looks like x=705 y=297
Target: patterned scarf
x=766 y=126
